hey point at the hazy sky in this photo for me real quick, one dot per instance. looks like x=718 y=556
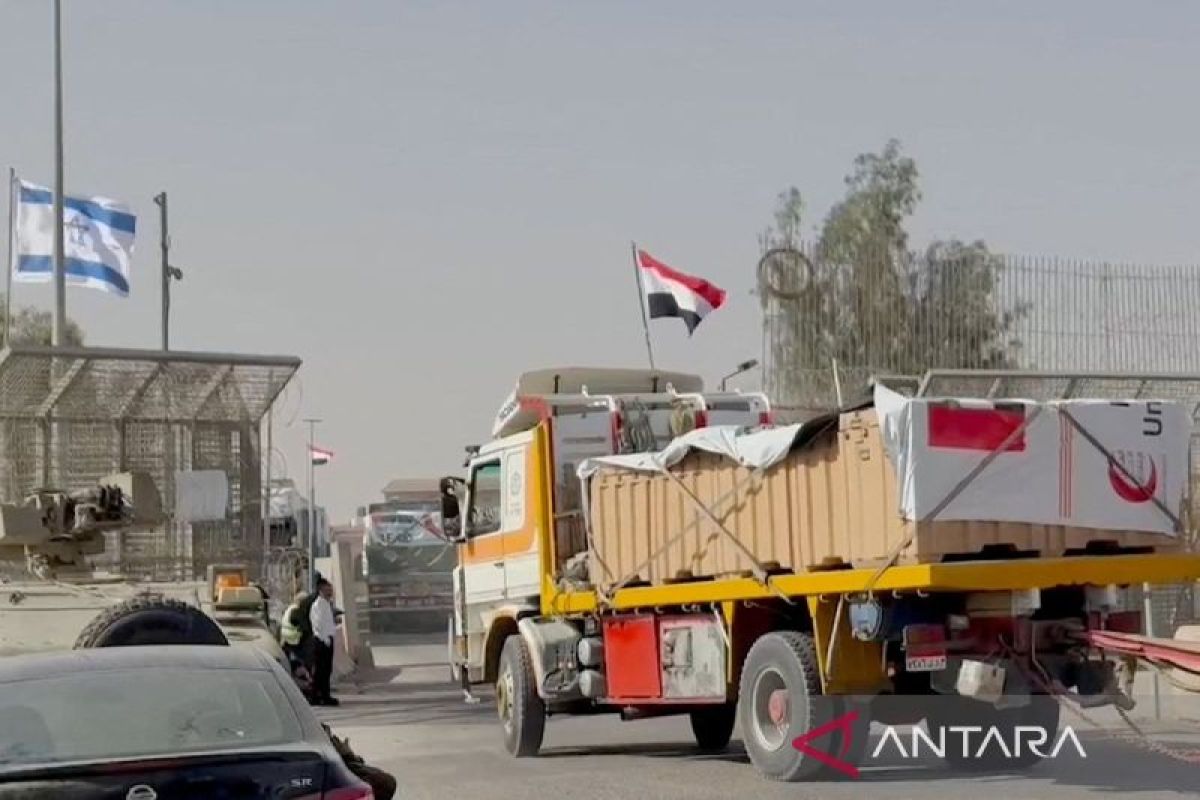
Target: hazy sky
x=422 y=200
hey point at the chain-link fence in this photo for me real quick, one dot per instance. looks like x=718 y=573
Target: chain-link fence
x=830 y=327
x=69 y=417
x=827 y=323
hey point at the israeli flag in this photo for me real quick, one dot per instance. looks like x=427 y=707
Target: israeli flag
x=97 y=240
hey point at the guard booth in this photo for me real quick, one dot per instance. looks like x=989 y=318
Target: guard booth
x=69 y=416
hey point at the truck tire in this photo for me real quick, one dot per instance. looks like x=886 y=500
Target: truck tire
x=779 y=699
x=713 y=726
x=522 y=713
x=1042 y=712
x=150 y=620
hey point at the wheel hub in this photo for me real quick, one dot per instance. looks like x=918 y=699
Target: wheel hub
x=771 y=714
x=504 y=698
x=779 y=707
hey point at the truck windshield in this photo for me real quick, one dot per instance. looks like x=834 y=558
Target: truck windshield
x=485 y=499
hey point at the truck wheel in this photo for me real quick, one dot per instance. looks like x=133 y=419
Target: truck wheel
x=779 y=699
x=150 y=620
x=522 y=712
x=1042 y=713
x=713 y=726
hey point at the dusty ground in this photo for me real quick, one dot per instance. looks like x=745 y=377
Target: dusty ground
x=414 y=723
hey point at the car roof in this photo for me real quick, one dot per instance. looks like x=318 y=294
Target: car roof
x=15 y=669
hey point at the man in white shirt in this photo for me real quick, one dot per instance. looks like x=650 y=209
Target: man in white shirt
x=324 y=628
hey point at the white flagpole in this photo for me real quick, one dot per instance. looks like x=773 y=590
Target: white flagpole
x=10 y=262
x=637 y=273
x=60 y=278
x=312 y=502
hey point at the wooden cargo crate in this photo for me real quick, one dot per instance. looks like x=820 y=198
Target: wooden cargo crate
x=830 y=503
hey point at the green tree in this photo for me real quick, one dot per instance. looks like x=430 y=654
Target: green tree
x=860 y=295
x=34 y=326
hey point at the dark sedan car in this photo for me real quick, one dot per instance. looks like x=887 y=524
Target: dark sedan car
x=161 y=723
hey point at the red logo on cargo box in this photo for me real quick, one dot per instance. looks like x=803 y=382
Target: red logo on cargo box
x=986 y=429
x=1138 y=490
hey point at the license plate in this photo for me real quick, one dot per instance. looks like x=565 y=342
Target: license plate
x=926 y=662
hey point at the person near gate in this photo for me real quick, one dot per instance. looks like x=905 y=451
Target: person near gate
x=324 y=629
x=295 y=636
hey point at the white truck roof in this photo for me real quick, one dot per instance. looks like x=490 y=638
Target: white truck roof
x=537 y=389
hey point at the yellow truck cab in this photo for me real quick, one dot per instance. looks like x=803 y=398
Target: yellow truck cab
x=523 y=510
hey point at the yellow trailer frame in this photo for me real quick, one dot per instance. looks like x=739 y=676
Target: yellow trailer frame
x=964 y=576
x=859 y=665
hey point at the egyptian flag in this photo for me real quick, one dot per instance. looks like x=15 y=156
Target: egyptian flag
x=320 y=456
x=670 y=293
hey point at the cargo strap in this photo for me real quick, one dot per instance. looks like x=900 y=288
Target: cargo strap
x=1112 y=459
x=894 y=554
x=760 y=572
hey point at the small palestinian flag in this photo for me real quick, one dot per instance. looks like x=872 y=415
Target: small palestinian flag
x=670 y=293
x=320 y=456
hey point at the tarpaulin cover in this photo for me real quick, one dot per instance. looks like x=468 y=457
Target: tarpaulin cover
x=1047 y=472
x=201 y=495
x=758 y=448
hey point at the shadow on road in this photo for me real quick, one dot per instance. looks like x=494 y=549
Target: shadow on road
x=1110 y=766
x=411 y=702
x=420 y=694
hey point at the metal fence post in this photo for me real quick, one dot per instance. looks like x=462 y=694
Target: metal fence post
x=1148 y=614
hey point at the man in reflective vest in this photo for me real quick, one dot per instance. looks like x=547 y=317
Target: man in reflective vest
x=292 y=634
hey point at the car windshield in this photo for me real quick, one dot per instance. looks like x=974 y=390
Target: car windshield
x=136 y=713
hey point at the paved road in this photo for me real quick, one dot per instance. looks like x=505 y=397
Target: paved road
x=413 y=723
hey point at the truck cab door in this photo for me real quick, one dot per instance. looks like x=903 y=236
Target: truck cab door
x=481 y=553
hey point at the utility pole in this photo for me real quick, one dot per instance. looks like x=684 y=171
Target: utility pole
x=312 y=500
x=266 y=503
x=168 y=272
x=58 y=333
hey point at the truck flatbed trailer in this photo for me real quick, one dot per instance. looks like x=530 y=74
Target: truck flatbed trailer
x=976 y=576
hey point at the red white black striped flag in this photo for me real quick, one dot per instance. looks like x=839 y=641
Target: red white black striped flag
x=670 y=293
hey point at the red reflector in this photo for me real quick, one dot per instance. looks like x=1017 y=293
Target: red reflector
x=924 y=634
x=701 y=419
x=976 y=428
x=764 y=418
x=1125 y=622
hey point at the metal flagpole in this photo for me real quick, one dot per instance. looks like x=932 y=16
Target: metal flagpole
x=165 y=245
x=637 y=273
x=312 y=501
x=60 y=278
x=10 y=261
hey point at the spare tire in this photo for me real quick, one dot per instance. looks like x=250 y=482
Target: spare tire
x=150 y=620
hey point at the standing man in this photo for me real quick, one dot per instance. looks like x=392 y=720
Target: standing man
x=295 y=636
x=324 y=628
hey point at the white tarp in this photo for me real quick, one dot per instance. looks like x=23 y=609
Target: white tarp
x=201 y=495
x=1048 y=472
x=759 y=448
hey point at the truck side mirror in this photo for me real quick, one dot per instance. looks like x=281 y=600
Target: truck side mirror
x=449 y=507
x=448 y=489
